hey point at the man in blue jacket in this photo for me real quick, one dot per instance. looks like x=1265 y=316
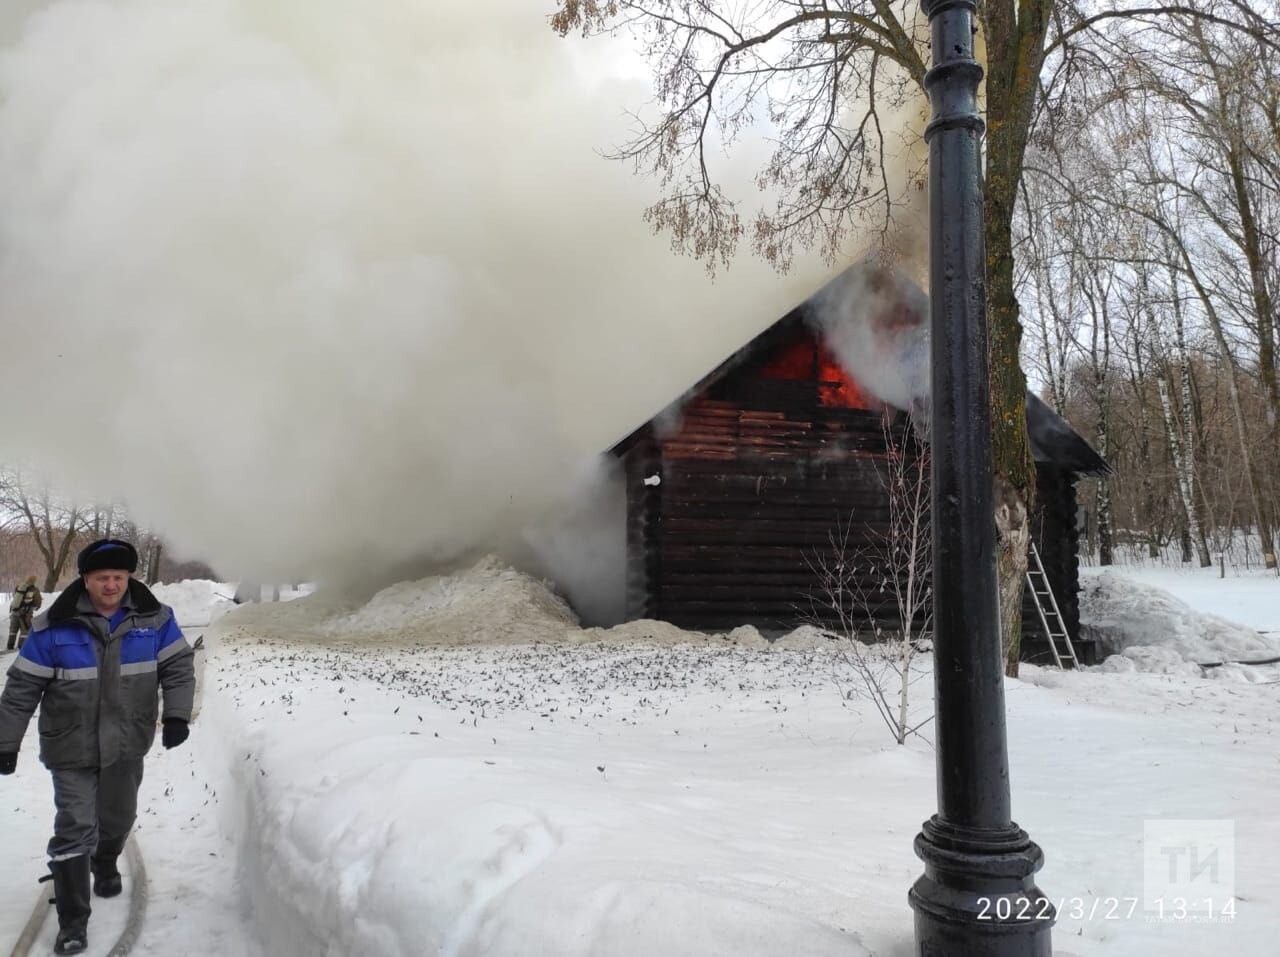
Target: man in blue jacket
x=94 y=663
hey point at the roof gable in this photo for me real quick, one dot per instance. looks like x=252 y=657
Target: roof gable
x=780 y=352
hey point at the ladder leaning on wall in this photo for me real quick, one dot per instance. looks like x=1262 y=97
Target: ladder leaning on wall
x=1055 y=628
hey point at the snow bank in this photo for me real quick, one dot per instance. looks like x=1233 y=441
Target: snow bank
x=1145 y=628
x=490 y=602
x=604 y=800
x=196 y=601
x=567 y=799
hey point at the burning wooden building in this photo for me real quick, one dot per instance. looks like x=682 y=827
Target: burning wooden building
x=737 y=489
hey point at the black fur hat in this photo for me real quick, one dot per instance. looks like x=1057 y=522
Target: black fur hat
x=107 y=553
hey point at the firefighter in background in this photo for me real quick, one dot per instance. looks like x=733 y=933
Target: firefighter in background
x=24 y=603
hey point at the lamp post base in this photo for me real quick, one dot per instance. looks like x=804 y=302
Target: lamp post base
x=978 y=897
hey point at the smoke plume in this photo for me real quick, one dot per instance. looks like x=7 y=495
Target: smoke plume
x=321 y=288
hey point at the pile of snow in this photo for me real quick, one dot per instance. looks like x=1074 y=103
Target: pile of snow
x=1145 y=628
x=196 y=602
x=490 y=602
x=807 y=638
x=647 y=631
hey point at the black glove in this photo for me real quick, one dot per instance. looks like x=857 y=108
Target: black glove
x=174 y=733
x=8 y=762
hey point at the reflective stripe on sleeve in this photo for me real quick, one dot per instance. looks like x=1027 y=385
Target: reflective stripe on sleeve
x=33 y=667
x=171 y=649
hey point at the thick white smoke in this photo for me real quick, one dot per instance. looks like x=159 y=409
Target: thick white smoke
x=875 y=318
x=318 y=286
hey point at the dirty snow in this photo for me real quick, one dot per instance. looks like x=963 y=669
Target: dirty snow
x=486 y=603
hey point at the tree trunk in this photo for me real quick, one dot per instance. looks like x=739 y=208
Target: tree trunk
x=1011 y=450
x=1105 y=545
x=1184 y=479
x=904 y=688
x=1190 y=426
x=1137 y=381
x=153 y=563
x=1264 y=313
x=1233 y=390
x=1015 y=53
x=1231 y=131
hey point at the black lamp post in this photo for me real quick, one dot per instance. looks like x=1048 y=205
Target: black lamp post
x=978 y=896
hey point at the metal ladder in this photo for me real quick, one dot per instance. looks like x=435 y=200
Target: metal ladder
x=1050 y=617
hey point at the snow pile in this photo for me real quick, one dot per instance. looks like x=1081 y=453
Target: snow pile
x=196 y=601
x=490 y=602
x=1145 y=628
x=807 y=638
x=647 y=631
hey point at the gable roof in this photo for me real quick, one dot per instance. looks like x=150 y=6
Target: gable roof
x=1054 y=442
x=758 y=349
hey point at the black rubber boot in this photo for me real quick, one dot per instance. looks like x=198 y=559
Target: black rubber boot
x=71 y=898
x=106 y=873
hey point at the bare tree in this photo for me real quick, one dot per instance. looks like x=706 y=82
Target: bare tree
x=877 y=586
x=1051 y=281
x=1173 y=371
x=1202 y=179
x=148 y=544
x=54 y=524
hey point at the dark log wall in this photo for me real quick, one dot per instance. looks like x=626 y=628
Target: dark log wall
x=644 y=527
x=755 y=478
x=758 y=473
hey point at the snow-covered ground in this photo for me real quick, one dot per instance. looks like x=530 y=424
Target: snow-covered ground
x=193 y=907
x=1174 y=621
x=1248 y=597
x=541 y=789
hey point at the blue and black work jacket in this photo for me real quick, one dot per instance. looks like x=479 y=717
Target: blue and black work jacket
x=96 y=680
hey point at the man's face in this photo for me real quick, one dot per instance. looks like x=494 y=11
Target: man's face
x=106 y=588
